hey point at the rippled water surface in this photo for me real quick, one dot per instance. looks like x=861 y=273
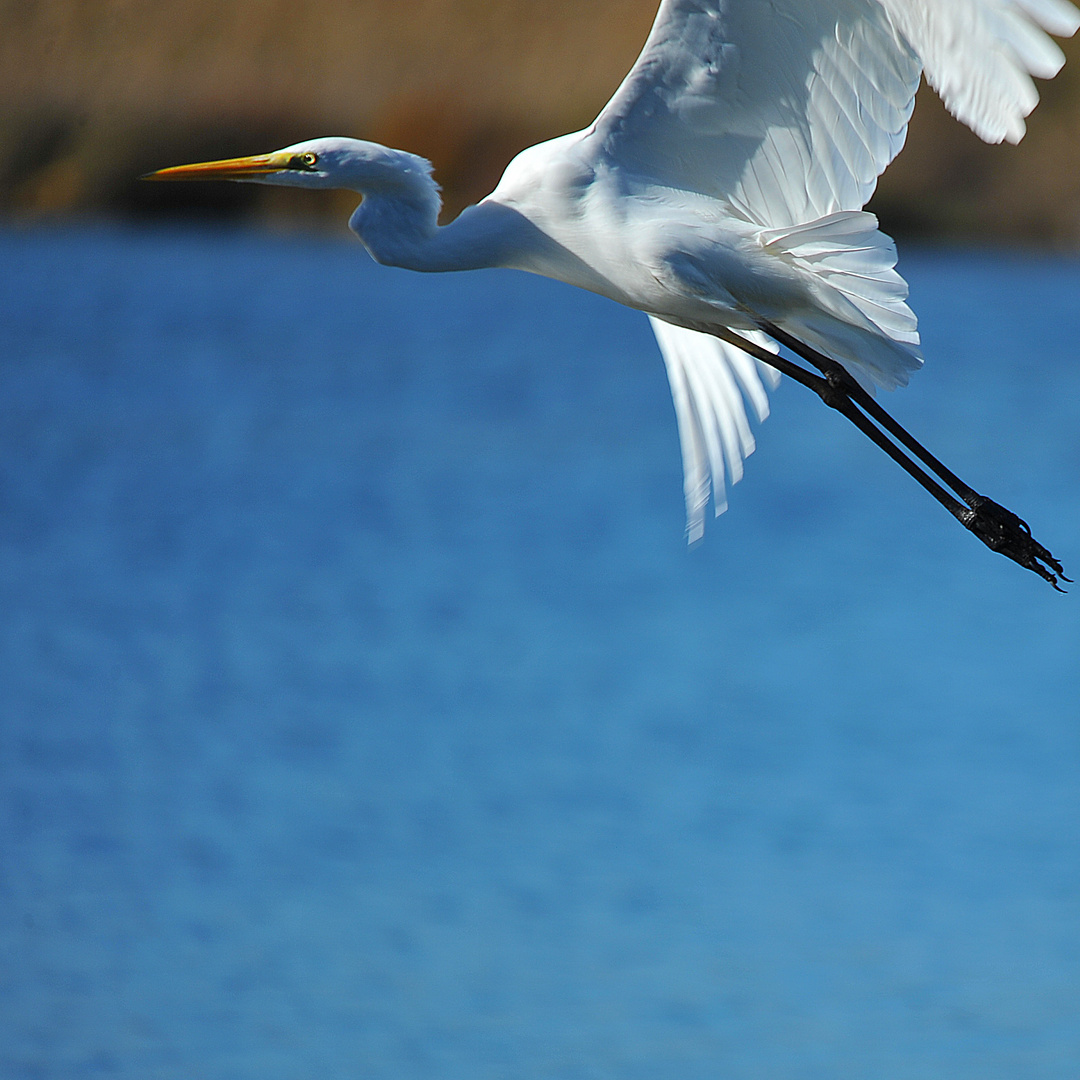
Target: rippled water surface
x=363 y=714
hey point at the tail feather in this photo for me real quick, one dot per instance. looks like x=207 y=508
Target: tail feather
x=864 y=321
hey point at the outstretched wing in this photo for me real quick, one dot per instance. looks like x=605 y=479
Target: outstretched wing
x=789 y=110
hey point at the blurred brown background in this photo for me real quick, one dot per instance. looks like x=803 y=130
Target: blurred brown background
x=95 y=92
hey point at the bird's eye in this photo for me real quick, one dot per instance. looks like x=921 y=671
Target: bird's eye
x=305 y=161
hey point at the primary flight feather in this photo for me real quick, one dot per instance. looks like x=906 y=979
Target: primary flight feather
x=721 y=192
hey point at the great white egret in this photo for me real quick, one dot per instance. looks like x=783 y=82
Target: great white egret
x=721 y=191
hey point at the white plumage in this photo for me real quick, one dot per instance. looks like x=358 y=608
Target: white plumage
x=789 y=111
x=721 y=190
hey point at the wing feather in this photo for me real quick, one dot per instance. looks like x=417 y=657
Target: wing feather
x=712 y=383
x=789 y=110
x=980 y=55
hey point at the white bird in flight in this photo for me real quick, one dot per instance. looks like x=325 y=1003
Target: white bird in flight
x=721 y=191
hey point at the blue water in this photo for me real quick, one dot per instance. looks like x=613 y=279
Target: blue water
x=363 y=714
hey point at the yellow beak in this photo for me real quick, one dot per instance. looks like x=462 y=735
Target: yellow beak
x=240 y=168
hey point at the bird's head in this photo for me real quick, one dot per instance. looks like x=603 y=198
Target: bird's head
x=360 y=166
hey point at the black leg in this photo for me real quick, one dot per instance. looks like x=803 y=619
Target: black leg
x=998 y=528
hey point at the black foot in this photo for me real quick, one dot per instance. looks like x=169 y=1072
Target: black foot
x=1002 y=531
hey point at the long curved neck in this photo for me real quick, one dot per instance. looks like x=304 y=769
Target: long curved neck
x=401 y=229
